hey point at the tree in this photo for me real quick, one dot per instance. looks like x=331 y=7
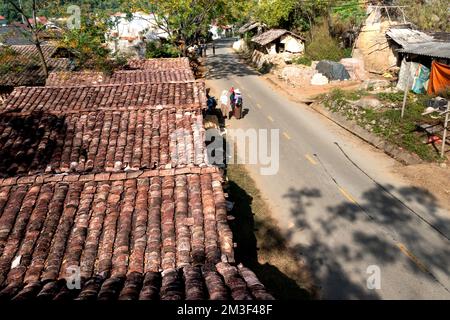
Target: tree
x=185 y=21
x=34 y=27
x=431 y=15
x=88 y=44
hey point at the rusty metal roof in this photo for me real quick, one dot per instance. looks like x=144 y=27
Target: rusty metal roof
x=435 y=49
x=407 y=36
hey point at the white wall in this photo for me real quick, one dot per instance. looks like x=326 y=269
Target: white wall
x=127 y=34
x=292 y=44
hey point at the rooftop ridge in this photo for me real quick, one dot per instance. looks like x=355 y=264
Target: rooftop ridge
x=106 y=176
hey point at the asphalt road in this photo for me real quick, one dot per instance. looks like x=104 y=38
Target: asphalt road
x=337 y=200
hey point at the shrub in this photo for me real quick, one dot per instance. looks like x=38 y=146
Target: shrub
x=304 y=60
x=322 y=46
x=161 y=50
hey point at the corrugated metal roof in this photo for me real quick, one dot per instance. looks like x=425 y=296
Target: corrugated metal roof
x=407 y=36
x=434 y=49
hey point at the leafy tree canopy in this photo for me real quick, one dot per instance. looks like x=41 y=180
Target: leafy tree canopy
x=187 y=20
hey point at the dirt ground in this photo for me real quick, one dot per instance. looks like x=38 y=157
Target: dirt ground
x=430 y=176
x=306 y=93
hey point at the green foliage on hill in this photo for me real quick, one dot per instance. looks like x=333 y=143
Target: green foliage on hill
x=321 y=46
x=428 y=15
x=161 y=50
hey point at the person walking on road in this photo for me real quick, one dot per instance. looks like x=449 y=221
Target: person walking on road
x=232 y=96
x=238 y=102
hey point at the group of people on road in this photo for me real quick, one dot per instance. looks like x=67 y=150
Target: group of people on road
x=231 y=103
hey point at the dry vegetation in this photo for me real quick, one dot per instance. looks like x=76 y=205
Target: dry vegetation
x=261 y=244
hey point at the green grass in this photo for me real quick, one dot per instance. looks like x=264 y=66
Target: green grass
x=260 y=243
x=390 y=97
x=303 y=60
x=386 y=122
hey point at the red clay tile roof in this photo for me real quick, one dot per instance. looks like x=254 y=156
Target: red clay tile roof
x=119 y=77
x=147 y=235
x=135 y=233
x=30 y=51
x=100 y=141
x=22 y=67
x=155 y=64
x=190 y=96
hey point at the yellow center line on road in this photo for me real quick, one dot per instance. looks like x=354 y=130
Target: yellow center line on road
x=347 y=195
x=412 y=257
x=270 y=119
x=310 y=159
x=286 y=136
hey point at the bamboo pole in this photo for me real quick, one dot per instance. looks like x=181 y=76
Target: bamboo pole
x=405 y=96
x=444 y=137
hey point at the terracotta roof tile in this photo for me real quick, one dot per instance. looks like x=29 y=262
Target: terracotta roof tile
x=100 y=141
x=190 y=95
x=165 y=63
x=120 y=77
x=21 y=66
x=131 y=238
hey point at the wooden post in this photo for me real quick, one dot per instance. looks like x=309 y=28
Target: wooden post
x=444 y=136
x=405 y=96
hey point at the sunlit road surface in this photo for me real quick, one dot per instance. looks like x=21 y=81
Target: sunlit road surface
x=337 y=202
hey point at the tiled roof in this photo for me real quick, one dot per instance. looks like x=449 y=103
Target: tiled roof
x=113 y=179
x=119 y=77
x=100 y=141
x=30 y=51
x=14 y=35
x=146 y=235
x=190 y=95
x=22 y=67
x=155 y=64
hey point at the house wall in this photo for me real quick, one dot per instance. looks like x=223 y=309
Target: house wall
x=292 y=44
x=271 y=48
x=374 y=49
x=129 y=36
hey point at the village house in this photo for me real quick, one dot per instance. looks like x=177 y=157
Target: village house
x=275 y=46
x=246 y=32
x=278 y=41
x=422 y=57
x=130 y=35
x=3 y=21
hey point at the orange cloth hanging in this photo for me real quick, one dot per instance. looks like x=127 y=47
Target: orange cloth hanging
x=439 y=78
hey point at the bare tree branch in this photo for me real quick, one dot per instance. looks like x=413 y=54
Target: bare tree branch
x=34 y=31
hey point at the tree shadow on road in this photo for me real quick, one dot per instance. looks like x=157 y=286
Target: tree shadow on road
x=225 y=65
x=250 y=251
x=329 y=262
